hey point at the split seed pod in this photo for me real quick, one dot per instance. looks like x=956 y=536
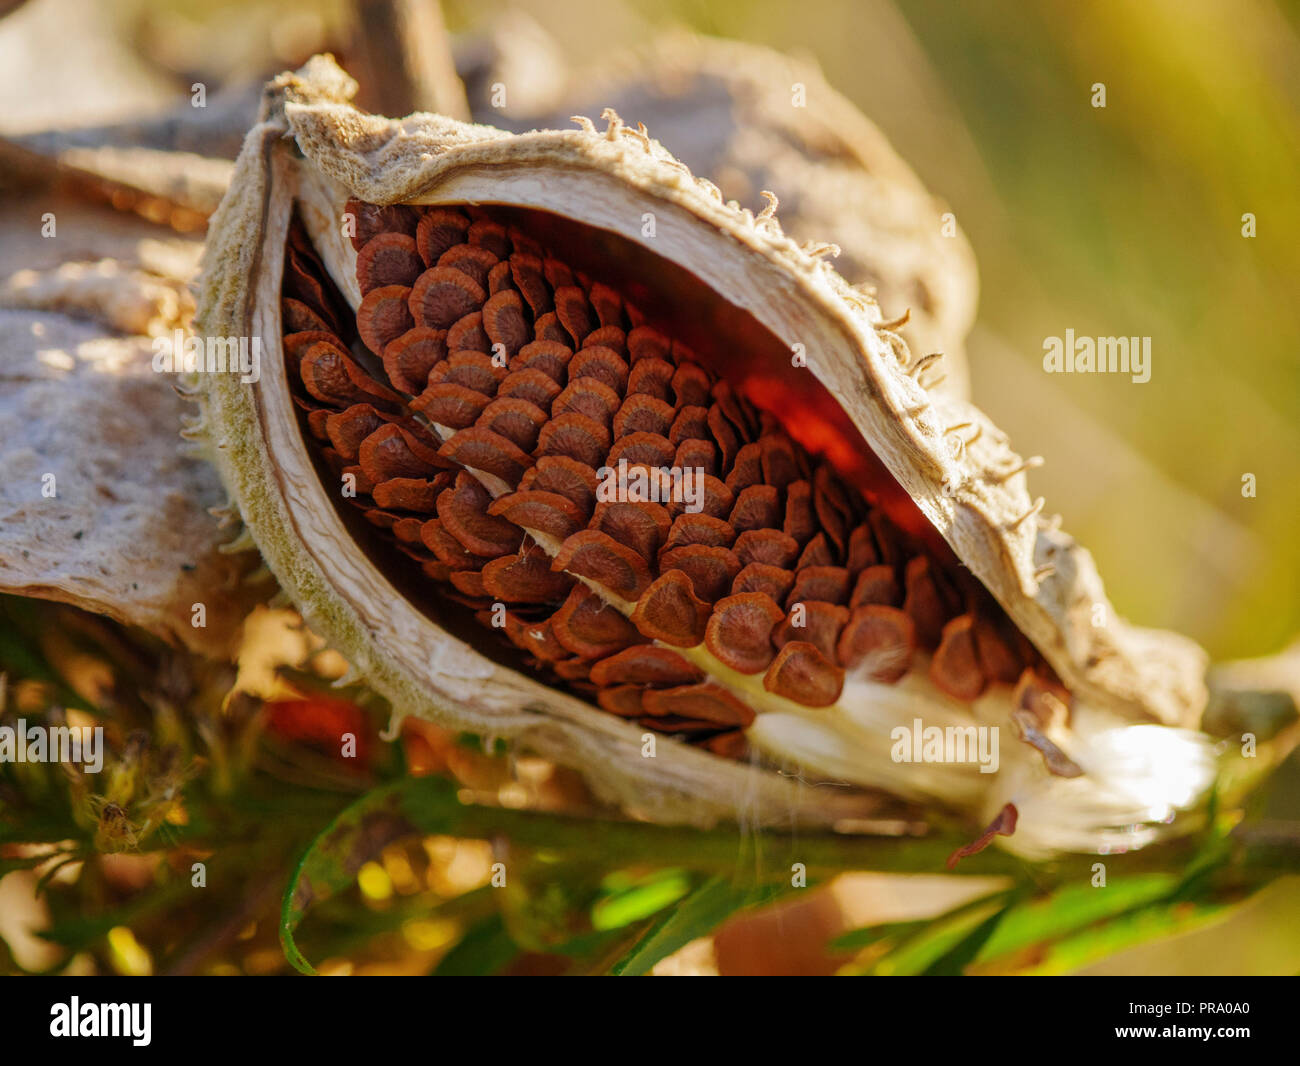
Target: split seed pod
x=553 y=444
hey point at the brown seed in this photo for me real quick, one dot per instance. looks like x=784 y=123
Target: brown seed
x=384 y=316
x=827 y=583
x=669 y=611
x=643 y=413
x=517 y=420
x=407 y=494
x=409 y=358
x=443 y=295
x=372 y=219
x=704 y=702
x=567 y=477
x=622 y=700
x=711 y=569
x=739 y=633
x=525 y=578
x=690 y=423
x=590 y=628
x=542 y=512
x=481 y=449
x=645 y=664
x=467 y=333
x=439 y=230
x=588 y=397
x=576 y=436
x=573 y=311
x=645 y=449
x=876 y=584
x=699 y=529
x=955 y=667
x=802 y=673
x=877 y=642
x=925 y=602
x=474 y=370
x=463 y=512
x=531 y=385
x=762 y=577
x=643 y=527
x=451 y=405
x=550 y=358
x=388 y=259
x=504 y=322
x=599 y=558
x=471 y=260
x=817 y=623
x=766 y=546
x=348 y=428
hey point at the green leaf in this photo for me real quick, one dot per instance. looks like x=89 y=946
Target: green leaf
x=698 y=915
x=485 y=949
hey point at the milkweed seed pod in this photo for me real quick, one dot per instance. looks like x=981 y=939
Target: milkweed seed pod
x=553 y=444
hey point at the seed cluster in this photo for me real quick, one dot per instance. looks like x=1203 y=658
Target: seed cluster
x=480 y=397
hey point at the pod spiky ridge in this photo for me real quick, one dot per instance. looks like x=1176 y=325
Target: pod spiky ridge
x=599 y=494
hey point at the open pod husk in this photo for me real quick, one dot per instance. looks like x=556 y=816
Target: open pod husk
x=312 y=153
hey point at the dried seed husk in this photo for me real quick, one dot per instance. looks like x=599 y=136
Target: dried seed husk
x=879 y=425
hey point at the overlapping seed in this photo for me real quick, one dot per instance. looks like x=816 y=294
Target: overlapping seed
x=536 y=446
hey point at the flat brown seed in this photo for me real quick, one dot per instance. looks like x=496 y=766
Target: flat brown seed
x=468 y=333
x=442 y=296
x=569 y=478
x=876 y=584
x=463 y=512
x=481 y=449
x=517 y=420
x=877 y=642
x=802 y=673
x=643 y=527
x=643 y=413
x=815 y=623
x=955 y=667
x=504 y=322
x=531 y=385
x=525 y=578
x=603 y=364
x=622 y=700
x=384 y=315
x=646 y=664
x=542 y=512
x=598 y=557
x=573 y=312
x=576 y=436
x=409 y=358
x=590 y=628
x=588 y=397
x=739 y=632
x=388 y=259
x=704 y=702
x=929 y=608
x=439 y=230
x=711 y=569
x=471 y=260
x=669 y=611
x=766 y=546
x=451 y=405
x=763 y=577
x=551 y=358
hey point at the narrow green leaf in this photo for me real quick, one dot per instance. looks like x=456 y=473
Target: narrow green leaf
x=697 y=915
x=485 y=949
